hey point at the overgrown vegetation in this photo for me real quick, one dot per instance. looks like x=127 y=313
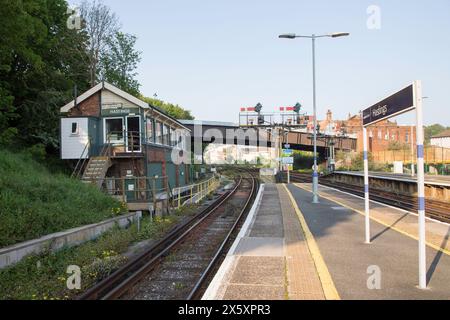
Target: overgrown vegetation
x=303 y=160
x=44 y=276
x=35 y=202
x=47 y=50
x=355 y=162
x=173 y=110
x=433 y=130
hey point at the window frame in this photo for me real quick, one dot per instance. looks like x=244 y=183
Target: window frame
x=158 y=130
x=77 y=131
x=105 y=129
x=151 y=138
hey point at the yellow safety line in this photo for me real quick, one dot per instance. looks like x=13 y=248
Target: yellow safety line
x=324 y=275
x=431 y=245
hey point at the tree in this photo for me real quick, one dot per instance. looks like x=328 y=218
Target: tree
x=40 y=61
x=100 y=25
x=173 y=110
x=433 y=130
x=119 y=62
x=16 y=26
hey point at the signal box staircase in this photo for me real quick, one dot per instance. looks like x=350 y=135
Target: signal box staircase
x=95 y=170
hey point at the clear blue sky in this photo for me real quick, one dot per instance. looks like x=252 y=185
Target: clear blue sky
x=213 y=57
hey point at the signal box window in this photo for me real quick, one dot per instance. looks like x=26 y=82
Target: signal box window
x=75 y=128
x=114 y=130
x=150 y=131
x=158 y=133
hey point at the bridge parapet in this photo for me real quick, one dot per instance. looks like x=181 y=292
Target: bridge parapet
x=230 y=133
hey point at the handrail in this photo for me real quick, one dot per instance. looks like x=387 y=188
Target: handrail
x=140 y=192
x=82 y=160
x=201 y=189
x=106 y=148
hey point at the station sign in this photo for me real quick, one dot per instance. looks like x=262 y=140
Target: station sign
x=118 y=109
x=396 y=104
x=288 y=160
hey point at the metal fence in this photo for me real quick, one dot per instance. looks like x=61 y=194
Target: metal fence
x=195 y=192
x=155 y=189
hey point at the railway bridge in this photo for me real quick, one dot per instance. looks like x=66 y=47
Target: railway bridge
x=230 y=133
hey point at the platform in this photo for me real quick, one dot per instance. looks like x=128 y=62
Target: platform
x=435 y=180
x=291 y=249
x=337 y=224
x=270 y=259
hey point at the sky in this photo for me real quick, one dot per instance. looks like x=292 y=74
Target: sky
x=215 y=56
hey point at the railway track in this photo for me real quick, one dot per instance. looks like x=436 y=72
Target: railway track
x=179 y=264
x=434 y=209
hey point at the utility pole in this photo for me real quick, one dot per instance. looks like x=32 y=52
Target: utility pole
x=313 y=38
x=412 y=152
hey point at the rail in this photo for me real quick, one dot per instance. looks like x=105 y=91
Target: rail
x=136 y=189
x=82 y=160
x=131 y=141
x=434 y=209
x=187 y=194
x=120 y=281
x=154 y=189
x=196 y=290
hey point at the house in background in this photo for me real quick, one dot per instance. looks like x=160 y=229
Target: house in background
x=381 y=135
x=123 y=144
x=441 y=140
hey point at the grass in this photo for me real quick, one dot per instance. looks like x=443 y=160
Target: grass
x=44 y=277
x=35 y=202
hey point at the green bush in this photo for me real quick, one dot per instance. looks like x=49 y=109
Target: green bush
x=357 y=163
x=35 y=202
x=43 y=276
x=37 y=152
x=303 y=160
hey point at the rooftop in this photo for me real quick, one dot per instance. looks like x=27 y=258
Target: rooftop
x=445 y=134
x=209 y=123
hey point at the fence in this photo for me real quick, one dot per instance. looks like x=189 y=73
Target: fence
x=195 y=192
x=136 y=189
x=156 y=189
x=432 y=155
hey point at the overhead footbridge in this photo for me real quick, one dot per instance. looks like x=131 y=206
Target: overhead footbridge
x=230 y=133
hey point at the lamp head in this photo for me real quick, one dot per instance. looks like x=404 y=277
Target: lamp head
x=287 y=36
x=340 y=34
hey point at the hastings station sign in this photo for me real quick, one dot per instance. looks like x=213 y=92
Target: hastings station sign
x=118 y=109
x=400 y=102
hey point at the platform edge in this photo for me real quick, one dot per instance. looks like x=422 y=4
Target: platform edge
x=328 y=286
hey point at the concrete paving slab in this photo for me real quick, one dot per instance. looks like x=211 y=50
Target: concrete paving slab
x=271 y=260
x=265 y=271
x=261 y=247
x=254 y=292
x=340 y=237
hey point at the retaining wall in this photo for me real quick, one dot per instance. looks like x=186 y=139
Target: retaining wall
x=56 y=241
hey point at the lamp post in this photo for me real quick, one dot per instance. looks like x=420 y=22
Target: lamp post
x=313 y=38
